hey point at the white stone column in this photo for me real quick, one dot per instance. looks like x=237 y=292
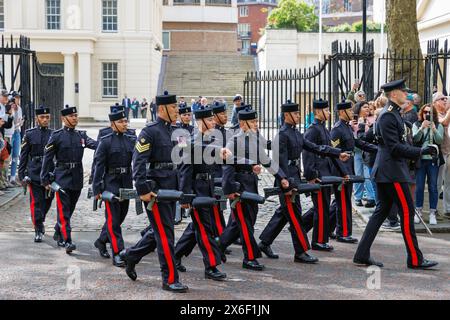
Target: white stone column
x=84 y=84
x=69 y=78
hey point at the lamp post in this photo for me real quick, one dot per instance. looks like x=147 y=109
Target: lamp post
x=364 y=23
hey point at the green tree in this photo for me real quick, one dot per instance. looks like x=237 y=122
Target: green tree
x=292 y=14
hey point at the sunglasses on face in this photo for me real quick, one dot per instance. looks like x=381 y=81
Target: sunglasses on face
x=443 y=99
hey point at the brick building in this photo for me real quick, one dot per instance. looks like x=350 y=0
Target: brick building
x=336 y=12
x=252 y=16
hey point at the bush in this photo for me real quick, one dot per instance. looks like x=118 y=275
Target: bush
x=293 y=14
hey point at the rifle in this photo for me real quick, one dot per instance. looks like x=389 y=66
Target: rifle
x=55 y=187
x=91 y=195
x=105 y=196
x=167 y=195
x=248 y=197
x=220 y=196
x=298 y=189
x=131 y=194
x=26 y=181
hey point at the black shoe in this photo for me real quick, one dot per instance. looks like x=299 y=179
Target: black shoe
x=227 y=251
x=215 y=274
x=179 y=266
x=321 y=246
x=102 y=249
x=252 y=265
x=38 y=236
x=42 y=229
x=175 y=287
x=130 y=266
x=267 y=251
x=359 y=203
x=118 y=261
x=70 y=247
x=238 y=242
x=426 y=264
x=370 y=204
x=333 y=236
x=176 y=222
x=347 y=239
x=305 y=258
x=367 y=262
x=441 y=195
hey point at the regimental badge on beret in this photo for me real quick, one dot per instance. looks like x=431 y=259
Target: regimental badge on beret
x=335 y=143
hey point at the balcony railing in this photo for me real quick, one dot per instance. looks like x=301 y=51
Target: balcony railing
x=186 y=2
x=245 y=34
x=223 y=3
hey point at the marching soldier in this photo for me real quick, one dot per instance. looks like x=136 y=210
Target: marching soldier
x=198 y=178
x=185 y=124
x=154 y=149
x=112 y=172
x=67 y=146
x=244 y=168
x=342 y=137
x=392 y=177
x=291 y=144
x=31 y=156
x=102 y=240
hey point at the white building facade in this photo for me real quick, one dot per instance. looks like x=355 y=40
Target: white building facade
x=433 y=21
x=104 y=48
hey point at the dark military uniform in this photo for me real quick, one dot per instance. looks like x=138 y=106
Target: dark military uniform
x=292 y=143
x=112 y=172
x=31 y=157
x=103 y=238
x=342 y=137
x=153 y=151
x=392 y=176
x=67 y=146
x=198 y=178
x=245 y=147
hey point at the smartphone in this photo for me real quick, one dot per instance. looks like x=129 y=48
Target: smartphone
x=428 y=117
x=355 y=117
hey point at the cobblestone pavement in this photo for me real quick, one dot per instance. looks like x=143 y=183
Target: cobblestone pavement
x=42 y=271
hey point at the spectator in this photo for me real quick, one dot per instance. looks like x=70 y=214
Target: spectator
x=153 y=108
x=443 y=109
x=355 y=88
x=6 y=122
x=428 y=168
x=144 y=108
x=16 y=137
x=236 y=103
x=135 y=106
x=126 y=102
x=408 y=112
x=380 y=102
x=417 y=100
x=362 y=113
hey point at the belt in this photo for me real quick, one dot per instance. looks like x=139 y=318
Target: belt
x=244 y=171
x=204 y=176
x=294 y=162
x=163 y=166
x=69 y=165
x=119 y=170
x=35 y=158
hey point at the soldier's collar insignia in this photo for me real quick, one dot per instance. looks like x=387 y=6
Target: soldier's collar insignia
x=390 y=108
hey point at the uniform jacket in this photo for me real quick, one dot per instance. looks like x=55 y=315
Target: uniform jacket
x=32 y=153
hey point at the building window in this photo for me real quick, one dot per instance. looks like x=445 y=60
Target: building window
x=245 y=47
x=110 y=80
x=166 y=40
x=218 y=2
x=347 y=5
x=2 y=15
x=244 y=29
x=53 y=14
x=109 y=15
x=326 y=7
x=243 y=11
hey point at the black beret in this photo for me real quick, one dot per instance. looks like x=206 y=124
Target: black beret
x=320 y=104
x=289 y=107
x=185 y=109
x=219 y=107
x=41 y=110
x=394 y=85
x=166 y=98
x=68 y=110
x=236 y=98
x=344 y=105
x=247 y=113
x=117 y=108
x=117 y=116
x=203 y=112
